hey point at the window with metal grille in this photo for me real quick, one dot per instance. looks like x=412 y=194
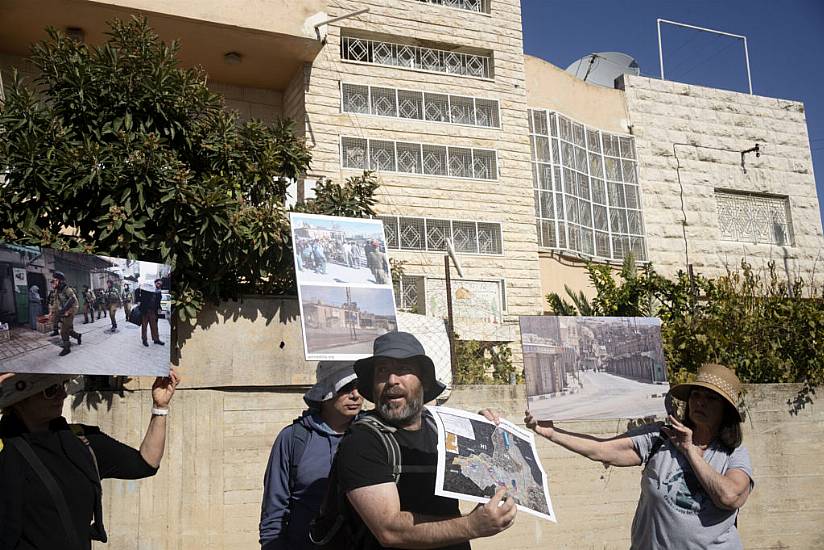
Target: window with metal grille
x=480 y=6
x=416 y=158
x=411 y=104
x=432 y=234
x=409 y=293
x=355 y=98
x=587 y=199
x=353 y=153
x=363 y=50
x=754 y=218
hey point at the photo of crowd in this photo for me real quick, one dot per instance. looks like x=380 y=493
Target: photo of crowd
x=339 y=250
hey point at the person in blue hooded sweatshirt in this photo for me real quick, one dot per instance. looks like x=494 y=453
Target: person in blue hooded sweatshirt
x=298 y=469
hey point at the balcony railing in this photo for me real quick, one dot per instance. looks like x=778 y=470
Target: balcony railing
x=405 y=56
x=480 y=6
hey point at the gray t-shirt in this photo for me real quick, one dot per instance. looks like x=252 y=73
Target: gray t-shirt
x=674 y=511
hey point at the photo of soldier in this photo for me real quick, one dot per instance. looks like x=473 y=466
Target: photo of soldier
x=99 y=303
x=149 y=302
x=88 y=305
x=127 y=298
x=66 y=305
x=83 y=287
x=53 y=318
x=112 y=300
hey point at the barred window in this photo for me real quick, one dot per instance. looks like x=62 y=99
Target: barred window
x=415 y=57
x=355 y=98
x=585 y=182
x=411 y=104
x=480 y=6
x=354 y=153
x=754 y=218
x=410 y=291
x=416 y=158
x=432 y=234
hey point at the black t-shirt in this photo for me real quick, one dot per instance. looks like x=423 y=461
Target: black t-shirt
x=362 y=462
x=28 y=515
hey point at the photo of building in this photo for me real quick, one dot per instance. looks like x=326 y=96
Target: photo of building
x=341 y=322
x=593 y=367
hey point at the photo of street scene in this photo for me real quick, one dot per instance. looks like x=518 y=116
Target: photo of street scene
x=68 y=313
x=341 y=322
x=331 y=249
x=593 y=367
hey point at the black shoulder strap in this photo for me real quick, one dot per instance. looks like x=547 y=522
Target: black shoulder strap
x=386 y=434
x=299 y=438
x=656 y=446
x=23 y=447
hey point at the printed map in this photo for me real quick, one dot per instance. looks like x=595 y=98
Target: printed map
x=479 y=457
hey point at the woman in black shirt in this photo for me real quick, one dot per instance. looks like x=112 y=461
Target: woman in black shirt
x=50 y=471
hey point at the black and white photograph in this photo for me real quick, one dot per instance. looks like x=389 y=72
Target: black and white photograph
x=71 y=313
x=341 y=322
x=593 y=367
x=331 y=249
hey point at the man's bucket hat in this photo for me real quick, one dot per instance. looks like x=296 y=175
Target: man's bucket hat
x=21 y=386
x=717 y=378
x=398 y=345
x=331 y=376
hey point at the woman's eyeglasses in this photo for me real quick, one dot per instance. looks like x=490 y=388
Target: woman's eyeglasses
x=52 y=391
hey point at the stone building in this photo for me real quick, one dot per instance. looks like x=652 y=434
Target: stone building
x=527 y=169
x=530 y=172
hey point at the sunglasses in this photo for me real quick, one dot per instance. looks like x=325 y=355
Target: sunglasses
x=52 y=391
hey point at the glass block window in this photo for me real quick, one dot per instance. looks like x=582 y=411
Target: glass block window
x=480 y=6
x=587 y=199
x=431 y=235
x=432 y=107
x=754 y=218
x=406 y=56
x=417 y=158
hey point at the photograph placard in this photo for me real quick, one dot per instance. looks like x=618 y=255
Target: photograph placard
x=344 y=285
x=68 y=313
x=593 y=367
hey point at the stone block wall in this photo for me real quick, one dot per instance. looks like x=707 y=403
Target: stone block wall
x=208 y=491
x=711 y=127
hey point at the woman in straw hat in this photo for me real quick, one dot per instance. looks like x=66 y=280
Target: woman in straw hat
x=50 y=471
x=696 y=473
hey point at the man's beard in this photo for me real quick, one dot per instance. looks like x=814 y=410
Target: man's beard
x=405 y=414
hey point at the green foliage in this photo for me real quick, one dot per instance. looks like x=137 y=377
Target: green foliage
x=761 y=325
x=136 y=157
x=481 y=362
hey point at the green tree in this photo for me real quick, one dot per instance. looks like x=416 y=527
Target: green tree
x=115 y=149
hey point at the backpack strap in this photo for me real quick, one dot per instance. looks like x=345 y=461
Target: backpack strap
x=98 y=529
x=299 y=438
x=656 y=446
x=22 y=446
x=386 y=434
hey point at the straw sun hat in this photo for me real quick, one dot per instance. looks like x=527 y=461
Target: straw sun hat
x=717 y=378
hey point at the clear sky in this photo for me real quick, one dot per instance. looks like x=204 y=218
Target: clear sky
x=785 y=39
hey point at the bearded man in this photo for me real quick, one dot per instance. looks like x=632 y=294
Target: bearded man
x=405 y=513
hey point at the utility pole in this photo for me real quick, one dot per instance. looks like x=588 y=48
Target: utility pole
x=450 y=327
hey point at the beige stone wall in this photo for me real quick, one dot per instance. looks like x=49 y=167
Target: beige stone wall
x=249 y=103
x=208 y=491
x=664 y=113
x=508 y=200
x=550 y=87
x=280 y=16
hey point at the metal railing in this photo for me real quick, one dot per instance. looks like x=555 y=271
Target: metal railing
x=406 y=56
